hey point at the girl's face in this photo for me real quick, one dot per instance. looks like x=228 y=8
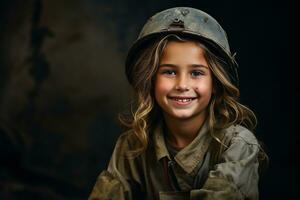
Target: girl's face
x=183 y=84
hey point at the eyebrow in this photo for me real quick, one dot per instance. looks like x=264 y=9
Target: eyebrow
x=192 y=65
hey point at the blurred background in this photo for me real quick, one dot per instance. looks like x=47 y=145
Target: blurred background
x=62 y=84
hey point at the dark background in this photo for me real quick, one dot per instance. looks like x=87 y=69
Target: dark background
x=62 y=84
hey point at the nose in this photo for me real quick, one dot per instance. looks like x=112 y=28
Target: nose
x=182 y=83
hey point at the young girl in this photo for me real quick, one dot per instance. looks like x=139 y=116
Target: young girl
x=188 y=137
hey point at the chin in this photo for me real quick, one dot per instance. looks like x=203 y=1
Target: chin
x=182 y=115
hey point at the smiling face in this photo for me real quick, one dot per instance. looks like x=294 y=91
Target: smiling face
x=183 y=84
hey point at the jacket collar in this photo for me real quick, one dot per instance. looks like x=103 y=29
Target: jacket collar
x=190 y=156
x=159 y=143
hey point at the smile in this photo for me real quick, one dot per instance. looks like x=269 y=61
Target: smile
x=182 y=100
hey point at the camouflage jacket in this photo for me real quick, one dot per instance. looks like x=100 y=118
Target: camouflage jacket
x=203 y=170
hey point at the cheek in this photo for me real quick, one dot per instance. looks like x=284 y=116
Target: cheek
x=162 y=86
x=204 y=89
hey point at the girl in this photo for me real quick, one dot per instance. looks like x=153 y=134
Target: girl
x=188 y=137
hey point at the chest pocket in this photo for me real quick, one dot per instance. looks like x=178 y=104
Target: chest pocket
x=174 y=195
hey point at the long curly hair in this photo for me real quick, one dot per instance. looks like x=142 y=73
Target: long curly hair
x=224 y=108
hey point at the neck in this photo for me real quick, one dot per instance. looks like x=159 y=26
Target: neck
x=182 y=132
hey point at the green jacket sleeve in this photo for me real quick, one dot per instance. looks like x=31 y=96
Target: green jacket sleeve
x=236 y=177
x=121 y=179
x=107 y=187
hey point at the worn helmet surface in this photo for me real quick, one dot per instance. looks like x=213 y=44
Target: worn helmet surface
x=190 y=22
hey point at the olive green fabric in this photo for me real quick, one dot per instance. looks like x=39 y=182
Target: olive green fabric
x=234 y=176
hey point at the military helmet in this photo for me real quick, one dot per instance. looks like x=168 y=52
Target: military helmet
x=189 y=22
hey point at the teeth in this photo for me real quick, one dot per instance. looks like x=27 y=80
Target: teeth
x=183 y=100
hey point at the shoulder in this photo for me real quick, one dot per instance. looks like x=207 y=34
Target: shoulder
x=126 y=142
x=128 y=138
x=238 y=133
x=241 y=143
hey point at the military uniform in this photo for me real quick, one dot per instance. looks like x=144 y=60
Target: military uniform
x=204 y=169
x=190 y=173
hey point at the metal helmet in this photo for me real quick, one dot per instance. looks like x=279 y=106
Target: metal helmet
x=190 y=22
